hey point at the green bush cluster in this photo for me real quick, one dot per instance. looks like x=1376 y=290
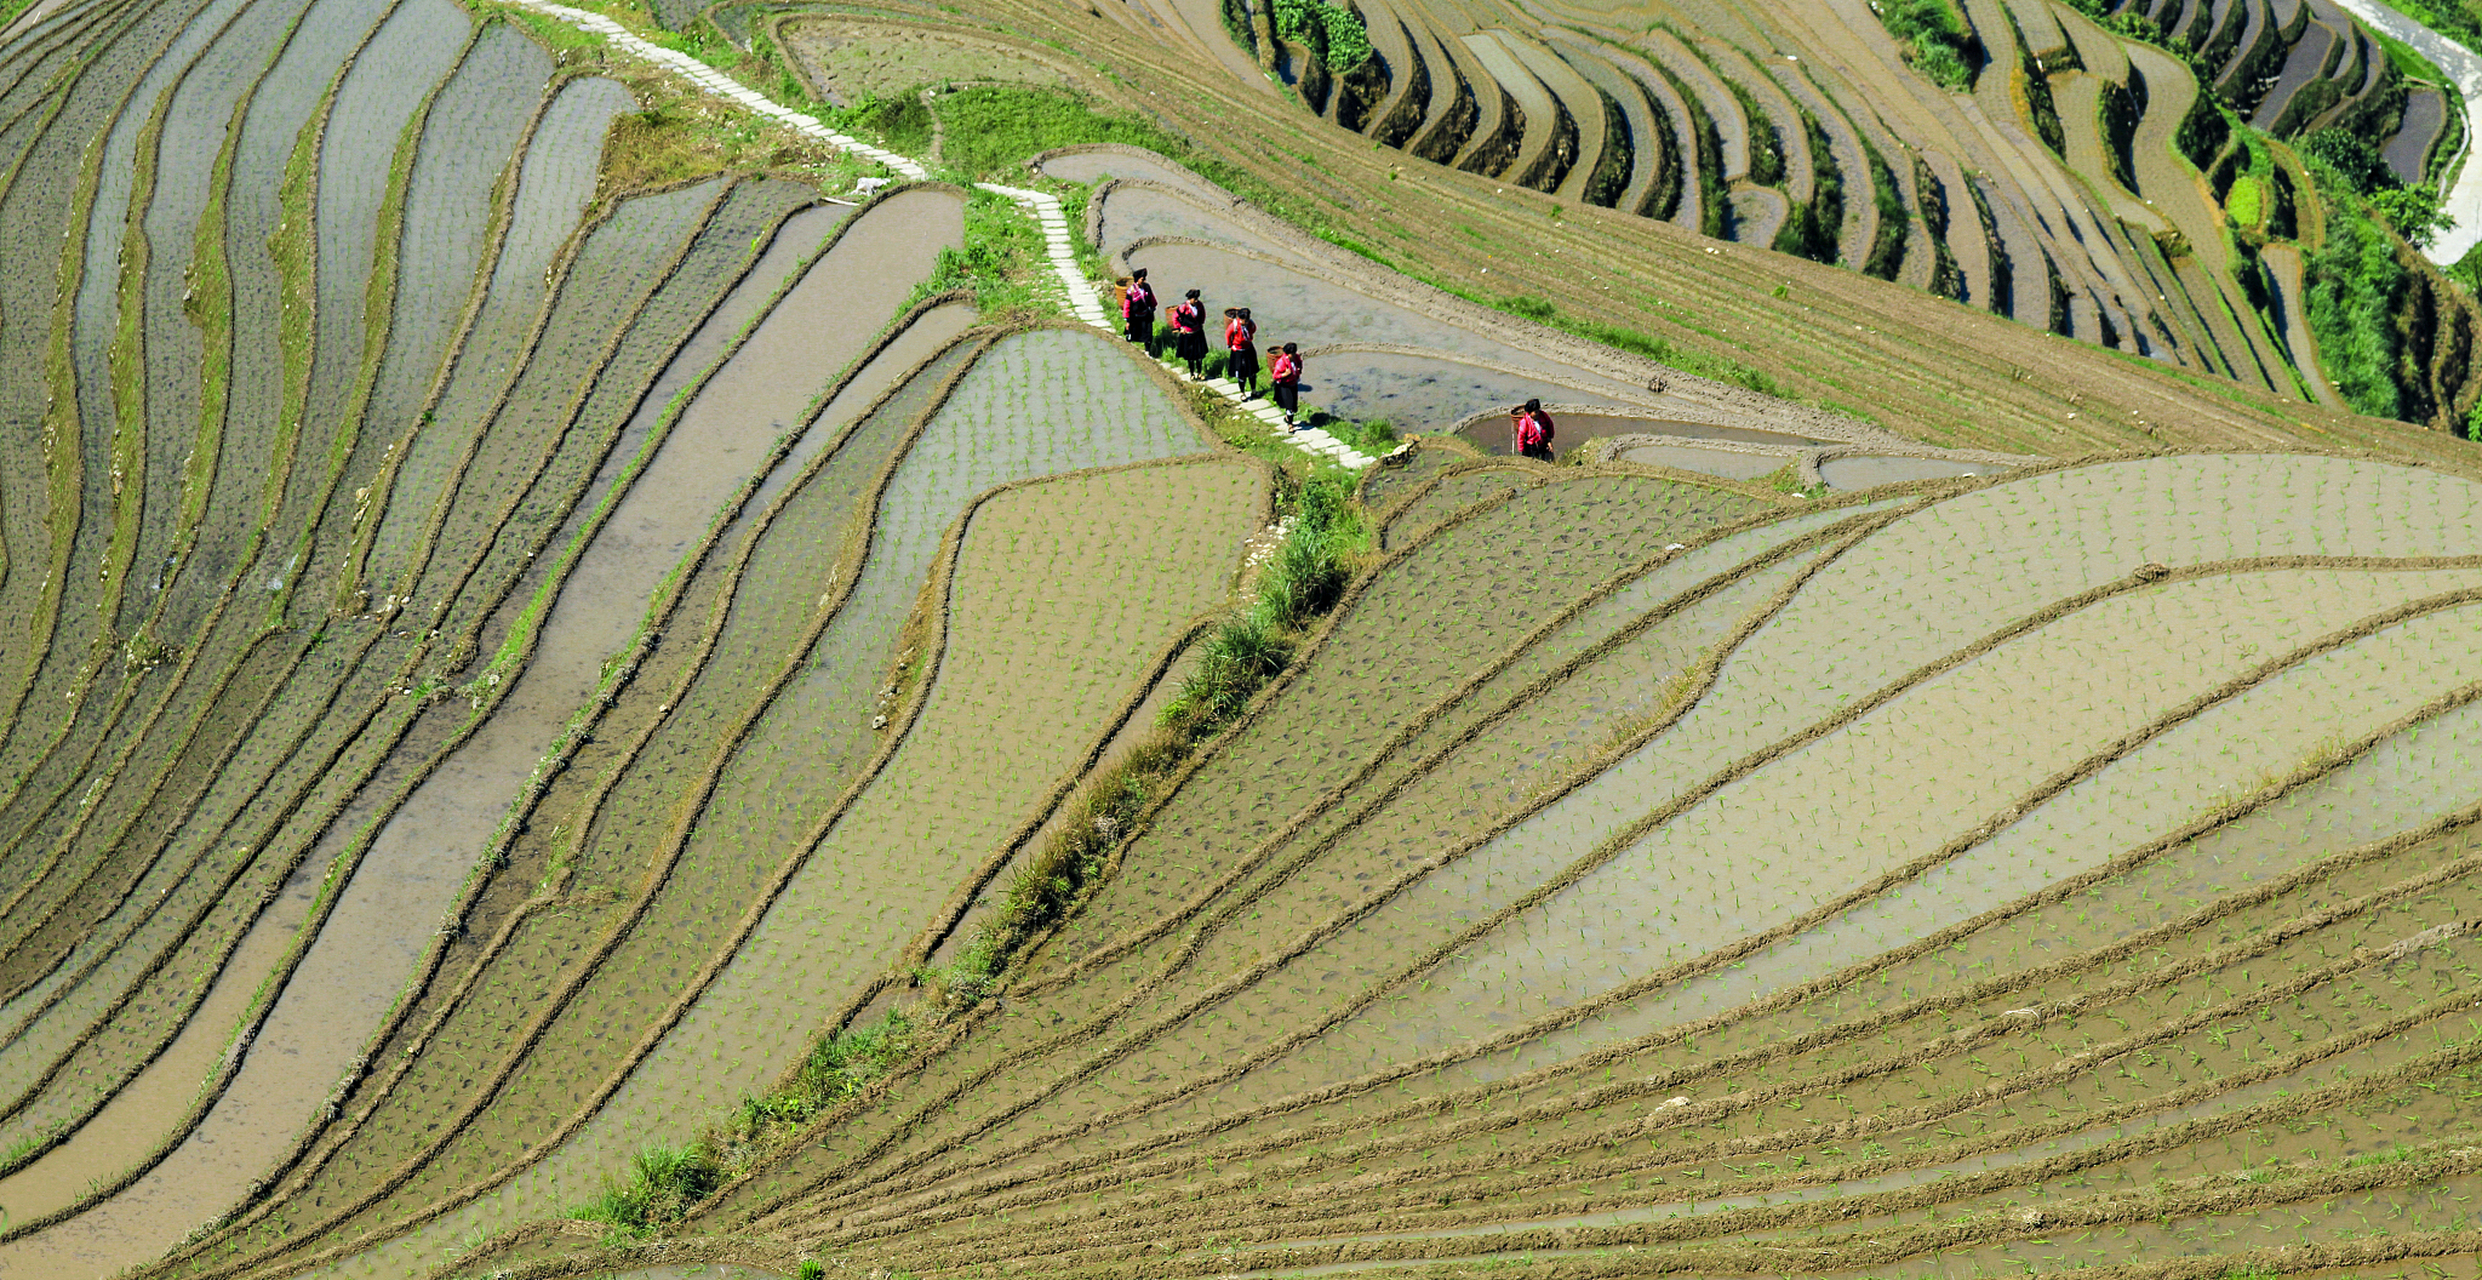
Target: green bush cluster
x=2346 y=160
x=1338 y=30
x=1003 y=262
x=2355 y=285
x=1939 y=45
x=664 y=1183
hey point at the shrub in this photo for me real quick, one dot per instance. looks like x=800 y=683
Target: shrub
x=1340 y=30
x=1938 y=45
x=1303 y=578
x=2355 y=285
x=2246 y=203
x=1532 y=308
x=2414 y=212
x=2350 y=156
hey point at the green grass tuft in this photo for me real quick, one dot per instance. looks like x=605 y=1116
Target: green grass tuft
x=663 y=1184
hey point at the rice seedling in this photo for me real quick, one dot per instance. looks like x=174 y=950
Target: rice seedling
x=579 y=700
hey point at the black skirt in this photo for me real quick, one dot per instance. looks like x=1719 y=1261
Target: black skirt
x=1190 y=346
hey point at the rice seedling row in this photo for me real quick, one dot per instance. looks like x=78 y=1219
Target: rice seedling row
x=1438 y=567
x=182 y=723
x=2279 y=752
x=798 y=311
x=182 y=1175
x=941 y=464
x=119 y=232
x=620 y=858
x=69 y=621
x=1385 y=489
x=554 y=183
x=1747 y=1168
x=973 y=412
x=983 y=643
x=207 y=748
x=563 y=413
x=1254 y=1018
x=462 y=169
x=641 y=589
x=732 y=244
x=1707 y=918
x=1449 y=494
x=248 y=768
x=1606 y=523
x=1359 y=861
x=186 y=662
x=541 y=354
x=1550 y=1099
x=77 y=118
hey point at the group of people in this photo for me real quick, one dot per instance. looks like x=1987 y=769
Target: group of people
x=1530 y=428
x=1188 y=321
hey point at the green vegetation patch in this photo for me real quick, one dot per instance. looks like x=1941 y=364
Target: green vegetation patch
x=1937 y=41
x=992 y=129
x=1333 y=28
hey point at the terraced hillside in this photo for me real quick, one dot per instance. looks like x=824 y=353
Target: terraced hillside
x=598 y=679
x=475 y=530
x=2070 y=173
x=1599 y=942
x=2111 y=172
x=2022 y=158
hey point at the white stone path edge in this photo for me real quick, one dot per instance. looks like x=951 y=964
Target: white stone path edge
x=1046 y=210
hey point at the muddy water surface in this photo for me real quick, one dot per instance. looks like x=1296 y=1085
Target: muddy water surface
x=1134 y=213
x=1294 y=306
x=1863 y=470
x=135 y=1121
x=1710 y=462
x=386 y=915
x=1092 y=167
x=1426 y=393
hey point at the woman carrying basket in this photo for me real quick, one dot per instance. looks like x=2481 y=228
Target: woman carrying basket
x=1137 y=309
x=1241 y=350
x=1189 y=333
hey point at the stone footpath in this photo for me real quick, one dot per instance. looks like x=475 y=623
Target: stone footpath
x=1084 y=302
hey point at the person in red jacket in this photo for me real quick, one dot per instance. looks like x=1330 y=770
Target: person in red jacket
x=1189 y=333
x=1531 y=429
x=1137 y=310
x=1285 y=372
x=1241 y=350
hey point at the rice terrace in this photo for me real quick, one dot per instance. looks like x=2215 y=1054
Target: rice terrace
x=1143 y=639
